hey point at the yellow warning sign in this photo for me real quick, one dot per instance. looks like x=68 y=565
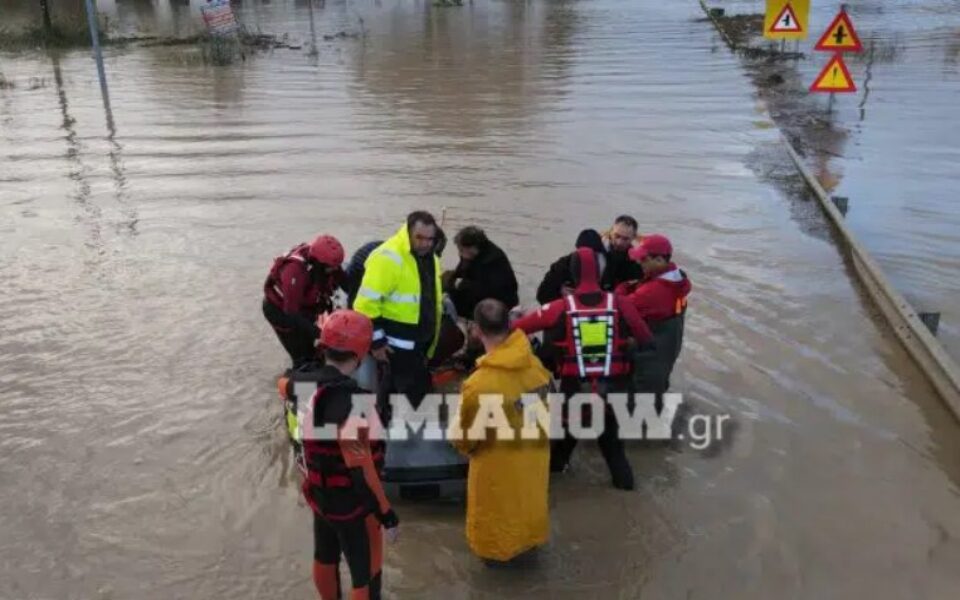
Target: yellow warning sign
x=840 y=36
x=834 y=78
x=786 y=20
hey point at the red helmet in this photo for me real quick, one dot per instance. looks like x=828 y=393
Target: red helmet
x=347 y=331
x=327 y=250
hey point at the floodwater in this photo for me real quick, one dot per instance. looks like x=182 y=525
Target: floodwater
x=141 y=450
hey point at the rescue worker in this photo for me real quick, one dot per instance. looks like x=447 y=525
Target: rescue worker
x=618 y=241
x=558 y=281
x=401 y=293
x=593 y=327
x=342 y=483
x=298 y=288
x=507 y=512
x=484 y=271
x=661 y=299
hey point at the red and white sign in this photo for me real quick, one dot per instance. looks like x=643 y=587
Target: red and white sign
x=786 y=22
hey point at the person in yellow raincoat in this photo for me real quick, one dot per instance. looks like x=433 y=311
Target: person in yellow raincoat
x=507 y=511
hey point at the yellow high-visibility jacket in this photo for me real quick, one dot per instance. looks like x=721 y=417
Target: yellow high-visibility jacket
x=390 y=293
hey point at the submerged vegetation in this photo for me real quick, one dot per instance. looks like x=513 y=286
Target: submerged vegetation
x=741 y=33
x=59 y=36
x=205 y=48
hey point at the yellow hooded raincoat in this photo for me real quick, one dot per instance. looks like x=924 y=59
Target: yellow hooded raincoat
x=507 y=510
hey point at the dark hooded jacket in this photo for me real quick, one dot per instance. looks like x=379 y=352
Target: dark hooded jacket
x=617 y=269
x=489 y=275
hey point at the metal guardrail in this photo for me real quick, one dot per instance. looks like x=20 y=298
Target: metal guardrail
x=940 y=369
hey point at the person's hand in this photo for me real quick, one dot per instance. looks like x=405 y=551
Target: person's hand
x=389 y=519
x=566 y=290
x=446 y=280
x=382 y=354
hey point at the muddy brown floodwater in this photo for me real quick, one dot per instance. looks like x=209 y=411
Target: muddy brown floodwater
x=141 y=450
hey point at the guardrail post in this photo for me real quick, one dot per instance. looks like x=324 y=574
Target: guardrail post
x=931 y=320
x=842 y=203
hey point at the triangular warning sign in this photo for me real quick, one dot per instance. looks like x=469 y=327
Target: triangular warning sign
x=786 y=21
x=834 y=78
x=840 y=36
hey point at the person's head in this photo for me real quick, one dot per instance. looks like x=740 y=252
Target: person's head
x=586 y=267
x=345 y=338
x=590 y=238
x=422 y=228
x=470 y=242
x=654 y=253
x=326 y=252
x=492 y=322
x=623 y=233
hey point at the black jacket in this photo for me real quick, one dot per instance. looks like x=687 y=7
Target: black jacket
x=353 y=274
x=619 y=268
x=489 y=275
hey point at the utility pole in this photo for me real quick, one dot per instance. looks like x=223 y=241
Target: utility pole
x=98 y=55
x=45 y=7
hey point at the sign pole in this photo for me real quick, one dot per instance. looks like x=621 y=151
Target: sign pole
x=98 y=52
x=47 y=24
x=313 y=31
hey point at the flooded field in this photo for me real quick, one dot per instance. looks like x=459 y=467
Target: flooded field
x=141 y=449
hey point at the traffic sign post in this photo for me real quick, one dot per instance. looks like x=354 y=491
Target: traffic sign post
x=786 y=20
x=839 y=37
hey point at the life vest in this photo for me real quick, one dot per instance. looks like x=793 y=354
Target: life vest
x=313 y=293
x=327 y=486
x=310 y=371
x=594 y=347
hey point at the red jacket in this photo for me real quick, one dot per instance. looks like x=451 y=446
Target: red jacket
x=588 y=292
x=660 y=296
x=291 y=287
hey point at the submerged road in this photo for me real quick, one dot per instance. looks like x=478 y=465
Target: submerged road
x=141 y=449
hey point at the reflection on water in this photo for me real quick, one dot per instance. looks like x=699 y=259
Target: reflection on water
x=79 y=172
x=517 y=59
x=141 y=449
